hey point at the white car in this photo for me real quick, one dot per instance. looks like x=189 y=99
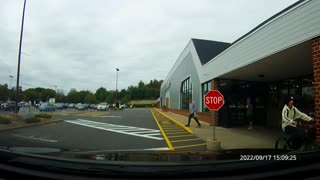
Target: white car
x=103 y=107
x=77 y=106
x=123 y=106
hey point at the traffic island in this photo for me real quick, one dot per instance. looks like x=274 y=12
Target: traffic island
x=17 y=122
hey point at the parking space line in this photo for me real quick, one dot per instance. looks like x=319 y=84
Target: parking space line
x=186 y=140
x=193 y=145
x=180 y=136
x=176 y=133
x=153 y=133
x=175 y=130
x=162 y=132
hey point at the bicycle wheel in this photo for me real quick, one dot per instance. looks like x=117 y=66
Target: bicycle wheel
x=281 y=143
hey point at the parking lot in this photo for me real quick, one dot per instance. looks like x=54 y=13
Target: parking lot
x=130 y=129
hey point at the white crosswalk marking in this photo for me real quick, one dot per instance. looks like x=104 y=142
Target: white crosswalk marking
x=129 y=130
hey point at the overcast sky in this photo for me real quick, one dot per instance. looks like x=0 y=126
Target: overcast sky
x=79 y=43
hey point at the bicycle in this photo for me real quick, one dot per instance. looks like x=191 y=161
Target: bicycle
x=285 y=142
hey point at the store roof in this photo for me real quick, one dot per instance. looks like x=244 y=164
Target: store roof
x=207 y=50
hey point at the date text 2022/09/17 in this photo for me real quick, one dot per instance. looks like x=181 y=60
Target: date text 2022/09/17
x=268 y=157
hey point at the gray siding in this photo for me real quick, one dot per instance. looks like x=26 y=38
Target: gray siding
x=186 y=69
x=296 y=26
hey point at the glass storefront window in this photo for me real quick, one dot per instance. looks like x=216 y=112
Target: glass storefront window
x=206 y=87
x=185 y=93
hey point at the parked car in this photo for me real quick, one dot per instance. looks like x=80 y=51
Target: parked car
x=77 y=105
x=81 y=107
x=71 y=105
x=95 y=107
x=65 y=105
x=9 y=105
x=111 y=106
x=103 y=107
x=86 y=106
x=46 y=107
x=91 y=106
x=2 y=104
x=122 y=106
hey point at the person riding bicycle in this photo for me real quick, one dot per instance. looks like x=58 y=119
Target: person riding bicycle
x=289 y=124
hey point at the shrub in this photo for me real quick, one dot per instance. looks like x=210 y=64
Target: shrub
x=43 y=115
x=32 y=120
x=4 y=120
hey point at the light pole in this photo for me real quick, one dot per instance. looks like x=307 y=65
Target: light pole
x=117 y=88
x=19 y=56
x=10 y=81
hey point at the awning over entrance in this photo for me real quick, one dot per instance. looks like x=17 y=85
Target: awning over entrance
x=293 y=62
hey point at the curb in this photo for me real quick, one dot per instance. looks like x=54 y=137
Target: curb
x=163 y=133
x=175 y=121
x=31 y=125
x=202 y=122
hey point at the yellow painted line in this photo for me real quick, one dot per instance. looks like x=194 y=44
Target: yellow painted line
x=186 y=140
x=163 y=134
x=180 y=133
x=176 y=122
x=190 y=145
x=174 y=130
x=171 y=129
x=180 y=136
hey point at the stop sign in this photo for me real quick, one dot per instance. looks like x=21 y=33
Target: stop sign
x=214 y=100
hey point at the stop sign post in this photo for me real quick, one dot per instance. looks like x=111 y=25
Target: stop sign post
x=214 y=100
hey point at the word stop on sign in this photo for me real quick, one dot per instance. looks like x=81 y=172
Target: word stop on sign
x=214 y=100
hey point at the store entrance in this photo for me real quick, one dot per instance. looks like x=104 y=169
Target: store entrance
x=236 y=93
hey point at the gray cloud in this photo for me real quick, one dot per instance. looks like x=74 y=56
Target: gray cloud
x=78 y=43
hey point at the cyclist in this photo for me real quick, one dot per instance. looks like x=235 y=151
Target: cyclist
x=289 y=125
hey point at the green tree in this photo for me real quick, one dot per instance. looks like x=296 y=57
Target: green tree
x=60 y=97
x=124 y=100
x=90 y=98
x=73 y=96
x=122 y=93
x=111 y=98
x=101 y=94
x=31 y=95
x=141 y=84
x=4 y=92
x=82 y=95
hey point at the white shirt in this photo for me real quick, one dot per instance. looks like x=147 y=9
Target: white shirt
x=288 y=115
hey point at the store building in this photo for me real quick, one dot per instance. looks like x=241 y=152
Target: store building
x=279 y=57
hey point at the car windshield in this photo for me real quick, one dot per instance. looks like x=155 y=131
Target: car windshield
x=161 y=76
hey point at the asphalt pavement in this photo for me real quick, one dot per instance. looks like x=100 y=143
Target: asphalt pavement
x=130 y=129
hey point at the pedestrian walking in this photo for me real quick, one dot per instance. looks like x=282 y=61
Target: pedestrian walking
x=250 y=113
x=192 y=113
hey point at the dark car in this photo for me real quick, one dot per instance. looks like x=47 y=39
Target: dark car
x=91 y=106
x=9 y=105
x=65 y=106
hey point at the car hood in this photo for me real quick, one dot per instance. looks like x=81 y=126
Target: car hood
x=143 y=156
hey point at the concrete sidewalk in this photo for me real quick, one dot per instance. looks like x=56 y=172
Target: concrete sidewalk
x=232 y=138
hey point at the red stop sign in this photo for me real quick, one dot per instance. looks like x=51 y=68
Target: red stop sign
x=214 y=100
